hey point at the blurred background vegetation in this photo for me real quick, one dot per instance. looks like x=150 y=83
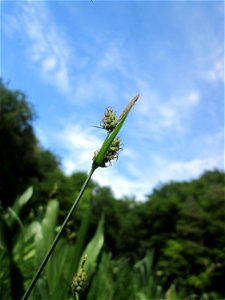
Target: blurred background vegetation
x=172 y=246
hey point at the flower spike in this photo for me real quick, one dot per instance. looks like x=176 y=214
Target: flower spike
x=109 y=151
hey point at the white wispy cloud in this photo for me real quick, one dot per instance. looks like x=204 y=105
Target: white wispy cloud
x=164 y=170
x=131 y=175
x=211 y=64
x=215 y=73
x=174 y=111
x=157 y=114
x=78 y=144
x=148 y=178
x=45 y=44
x=10 y=25
x=184 y=170
x=118 y=182
x=211 y=145
x=105 y=78
x=55 y=56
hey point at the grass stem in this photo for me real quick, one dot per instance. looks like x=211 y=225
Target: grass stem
x=45 y=260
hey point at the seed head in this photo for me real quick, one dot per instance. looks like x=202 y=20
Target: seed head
x=112 y=153
x=112 y=145
x=109 y=120
x=79 y=281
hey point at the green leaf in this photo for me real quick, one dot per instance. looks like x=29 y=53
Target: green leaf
x=45 y=237
x=81 y=238
x=13 y=212
x=13 y=216
x=65 y=260
x=25 y=197
x=94 y=247
x=22 y=200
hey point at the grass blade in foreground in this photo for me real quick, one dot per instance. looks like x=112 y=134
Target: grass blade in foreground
x=108 y=152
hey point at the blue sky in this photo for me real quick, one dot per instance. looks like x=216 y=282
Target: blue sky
x=75 y=58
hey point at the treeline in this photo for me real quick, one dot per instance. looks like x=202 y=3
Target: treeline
x=180 y=224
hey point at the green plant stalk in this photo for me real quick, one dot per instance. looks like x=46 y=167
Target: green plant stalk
x=97 y=162
x=36 y=276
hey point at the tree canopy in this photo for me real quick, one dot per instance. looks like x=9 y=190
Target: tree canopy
x=18 y=144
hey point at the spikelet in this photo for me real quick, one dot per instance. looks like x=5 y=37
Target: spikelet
x=112 y=144
x=79 y=281
x=109 y=120
x=112 y=153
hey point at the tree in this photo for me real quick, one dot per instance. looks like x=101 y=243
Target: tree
x=18 y=144
x=184 y=224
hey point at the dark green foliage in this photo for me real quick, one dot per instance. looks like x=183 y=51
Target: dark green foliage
x=29 y=245
x=184 y=224
x=17 y=144
x=116 y=279
x=10 y=228
x=5 y=286
x=22 y=160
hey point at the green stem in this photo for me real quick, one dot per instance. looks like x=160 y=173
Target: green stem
x=77 y=296
x=36 y=276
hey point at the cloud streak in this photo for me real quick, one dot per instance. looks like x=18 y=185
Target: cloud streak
x=77 y=71
x=158 y=116
x=129 y=176
x=215 y=74
x=78 y=145
x=45 y=43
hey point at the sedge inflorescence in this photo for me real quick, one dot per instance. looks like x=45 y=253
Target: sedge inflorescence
x=112 y=153
x=79 y=281
x=109 y=122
